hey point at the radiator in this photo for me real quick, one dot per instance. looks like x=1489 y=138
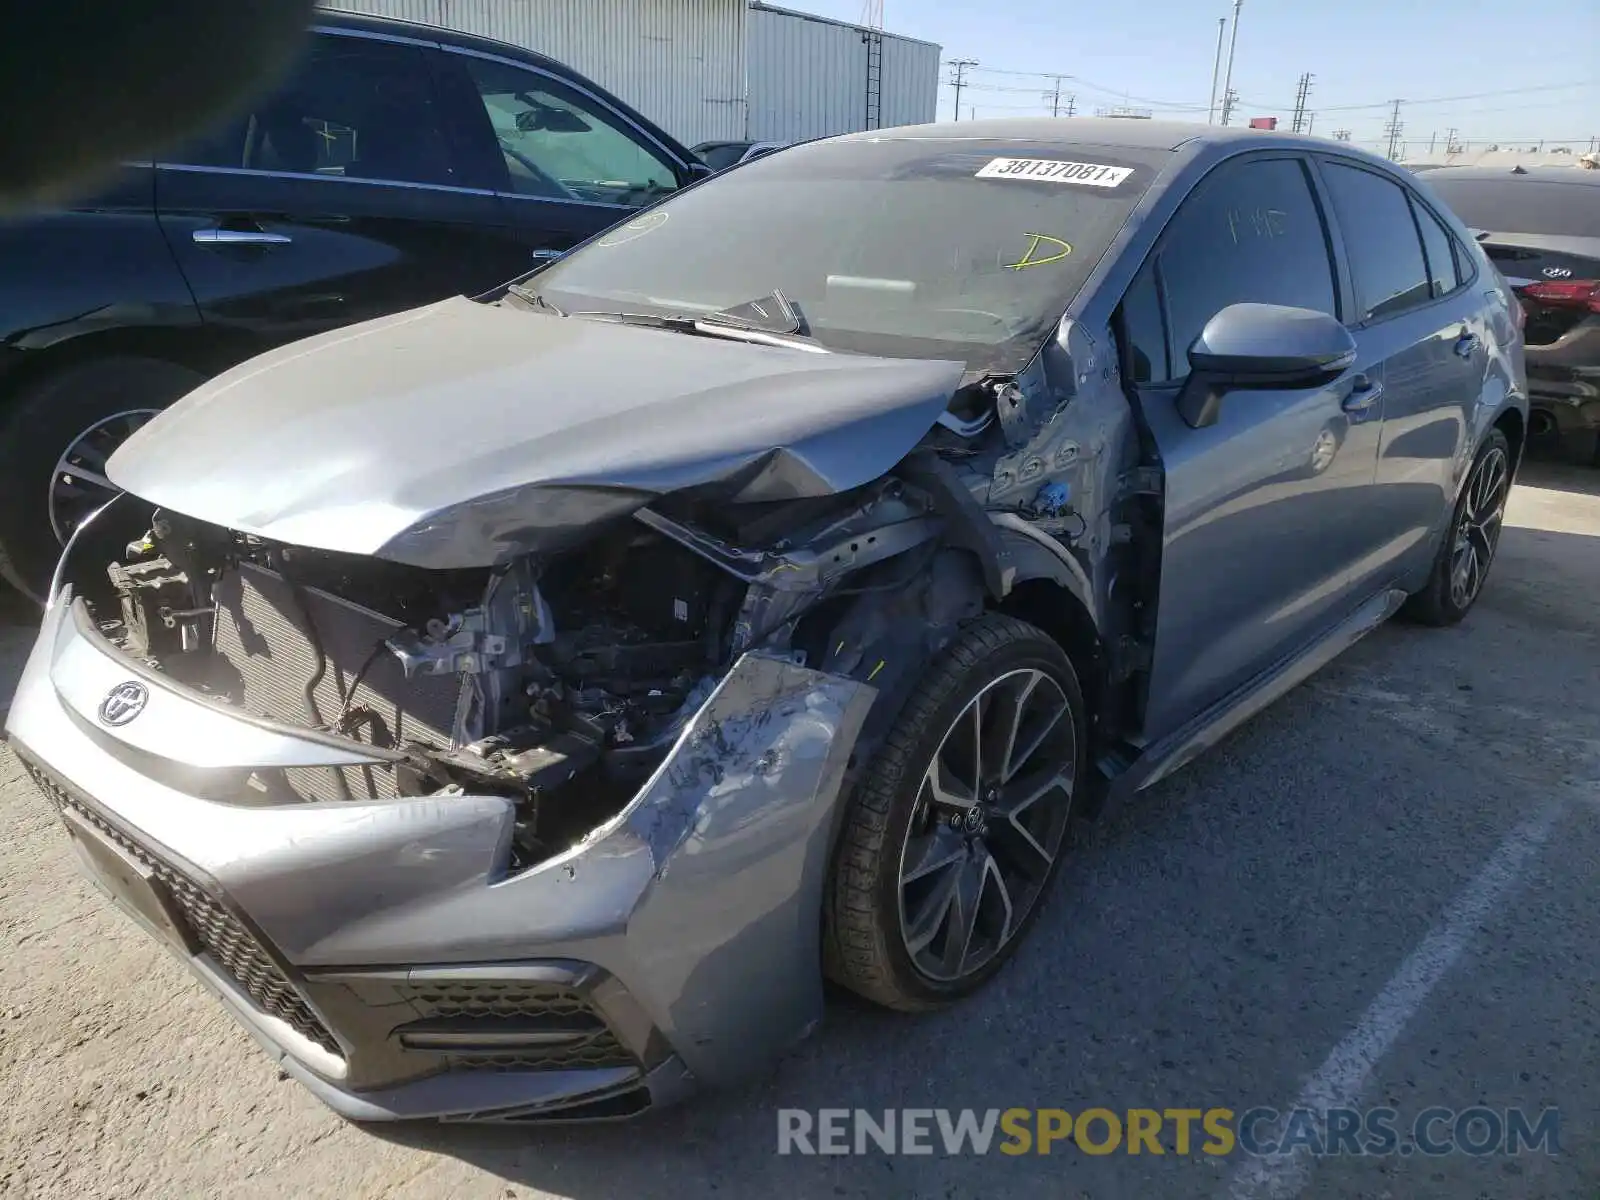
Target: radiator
x=262 y=633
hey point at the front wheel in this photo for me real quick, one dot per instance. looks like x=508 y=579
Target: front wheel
x=1470 y=543
x=55 y=438
x=952 y=838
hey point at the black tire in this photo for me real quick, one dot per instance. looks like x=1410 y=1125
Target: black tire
x=1439 y=602
x=39 y=424
x=865 y=938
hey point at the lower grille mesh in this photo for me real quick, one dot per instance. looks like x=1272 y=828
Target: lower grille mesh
x=224 y=938
x=486 y=1005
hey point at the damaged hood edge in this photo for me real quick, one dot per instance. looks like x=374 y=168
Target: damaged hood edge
x=463 y=434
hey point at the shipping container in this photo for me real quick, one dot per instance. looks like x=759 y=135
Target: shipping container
x=813 y=77
x=680 y=62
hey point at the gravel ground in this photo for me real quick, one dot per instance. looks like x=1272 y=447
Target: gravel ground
x=1378 y=892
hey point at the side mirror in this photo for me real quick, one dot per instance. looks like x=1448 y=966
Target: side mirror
x=1261 y=346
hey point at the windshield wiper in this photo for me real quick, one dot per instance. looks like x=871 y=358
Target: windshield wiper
x=533 y=298
x=722 y=325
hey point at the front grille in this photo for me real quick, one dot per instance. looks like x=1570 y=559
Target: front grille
x=490 y=1005
x=230 y=945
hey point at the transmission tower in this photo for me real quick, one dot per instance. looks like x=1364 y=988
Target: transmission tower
x=1229 y=99
x=1394 y=128
x=1341 y=135
x=872 y=14
x=1300 y=95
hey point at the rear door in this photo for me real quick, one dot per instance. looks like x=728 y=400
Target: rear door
x=336 y=199
x=1268 y=509
x=564 y=162
x=1419 y=324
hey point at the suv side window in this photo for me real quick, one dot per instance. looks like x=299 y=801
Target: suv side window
x=1381 y=239
x=1251 y=231
x=561 y=145
x=1445 y=271
x=356 y=108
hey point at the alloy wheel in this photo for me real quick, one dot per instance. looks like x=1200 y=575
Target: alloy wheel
x=79 y=486
x=1477 y=531
x=987 y=825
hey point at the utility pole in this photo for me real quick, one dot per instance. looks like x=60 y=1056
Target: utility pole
x=1432 y=137
x=1311 y=120
x=1233 y=44
x=1451 y=146
x=960 y=79
x=1229 y=99
x=1072 y=105
x=1055 y=98
x=1393 y=129
x=1216 y=72
x=1303 y=91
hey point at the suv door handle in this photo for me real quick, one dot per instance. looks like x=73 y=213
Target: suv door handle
x=1467 y=344
x=240 y=237
x=1364 y=393
x=546 y=255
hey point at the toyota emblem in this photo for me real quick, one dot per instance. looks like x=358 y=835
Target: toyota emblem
x=123 y=703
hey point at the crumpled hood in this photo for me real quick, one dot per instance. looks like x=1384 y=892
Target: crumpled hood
x=462 y=434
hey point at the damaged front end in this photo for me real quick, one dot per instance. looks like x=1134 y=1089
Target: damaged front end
x=558 y=682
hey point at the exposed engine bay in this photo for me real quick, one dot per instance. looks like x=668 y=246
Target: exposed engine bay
x=560 y=682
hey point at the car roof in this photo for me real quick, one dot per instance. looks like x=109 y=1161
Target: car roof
x=1574 y=175
x=1128 y=133
x=335 y=18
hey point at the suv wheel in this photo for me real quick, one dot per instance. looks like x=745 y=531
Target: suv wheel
x=55 y=437
x=952 y=837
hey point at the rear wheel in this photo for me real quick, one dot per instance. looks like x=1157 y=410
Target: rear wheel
x=1469 y=547
x=55 y=438
x=953 y=836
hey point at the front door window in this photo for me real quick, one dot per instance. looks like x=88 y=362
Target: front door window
x=560 y=145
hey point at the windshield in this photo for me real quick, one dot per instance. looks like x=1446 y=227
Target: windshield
x=903 y=248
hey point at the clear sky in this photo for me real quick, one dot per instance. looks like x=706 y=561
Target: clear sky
x=1158 y=54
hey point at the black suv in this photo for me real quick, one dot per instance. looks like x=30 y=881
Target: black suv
x=398 y=165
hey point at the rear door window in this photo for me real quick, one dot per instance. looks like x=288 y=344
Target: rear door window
x=356 y=109
x=1251 y=232
x=1444 y=273
x=1381 y=238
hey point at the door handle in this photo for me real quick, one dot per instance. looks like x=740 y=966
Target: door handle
x=546 y=255
x=1467 y=345
x=240 y=237
x=1364 y=393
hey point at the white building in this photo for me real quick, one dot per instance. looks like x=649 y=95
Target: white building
x=710 y=70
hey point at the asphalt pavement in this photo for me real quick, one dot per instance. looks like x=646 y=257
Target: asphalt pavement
x=1378 y=894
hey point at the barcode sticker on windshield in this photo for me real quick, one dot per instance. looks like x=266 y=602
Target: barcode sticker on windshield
x=1054 y=171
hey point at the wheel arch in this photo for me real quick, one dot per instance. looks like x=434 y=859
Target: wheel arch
x=1514 y=425
x=201 y=349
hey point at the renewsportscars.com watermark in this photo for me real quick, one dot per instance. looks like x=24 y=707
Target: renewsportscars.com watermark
x=1478 y=1131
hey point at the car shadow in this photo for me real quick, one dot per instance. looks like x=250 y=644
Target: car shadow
x=1559 y=476
x=19 y=622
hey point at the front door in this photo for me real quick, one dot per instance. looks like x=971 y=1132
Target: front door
x=1267 y=510
x=336 y=199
